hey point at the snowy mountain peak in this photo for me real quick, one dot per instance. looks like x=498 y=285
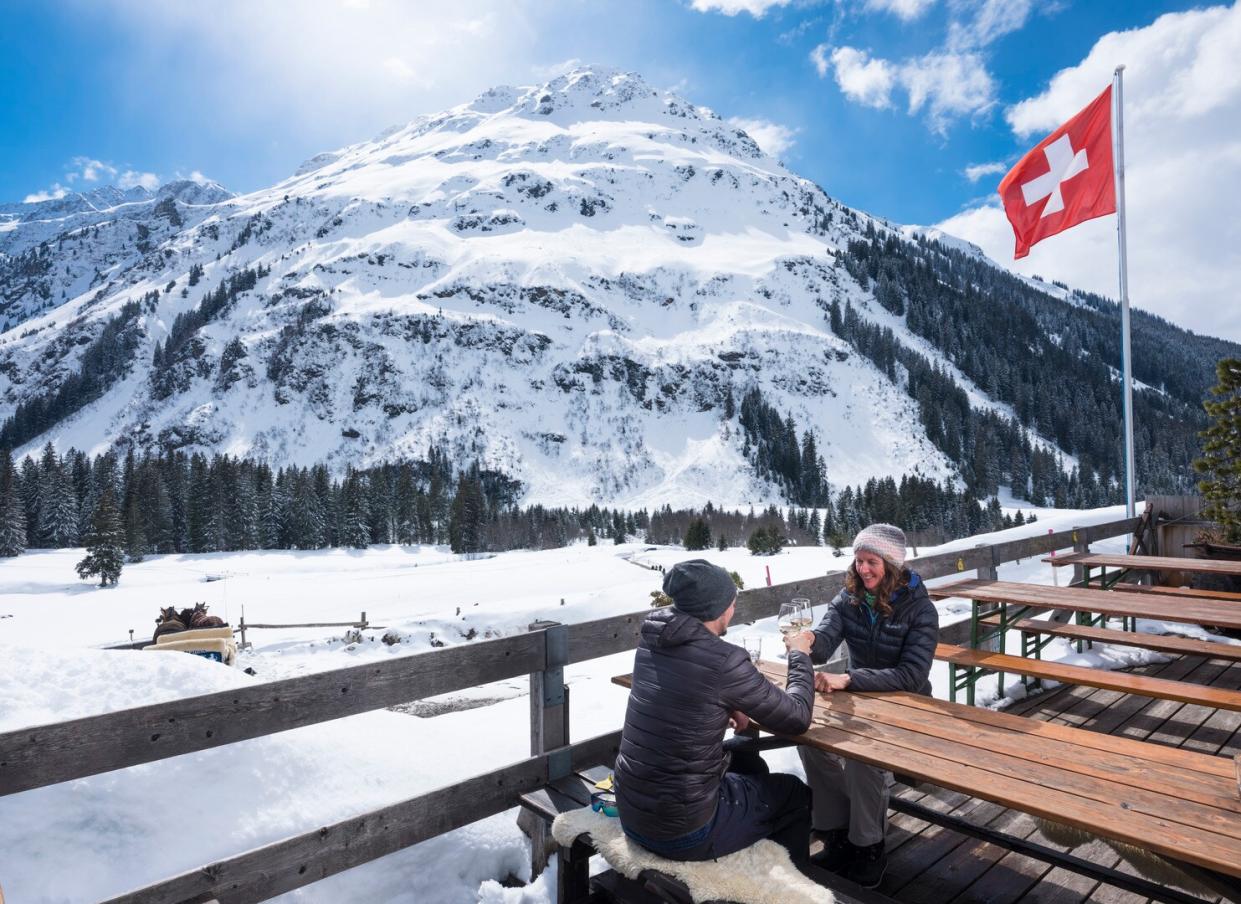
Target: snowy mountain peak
x=578 y=284
x=195 y=191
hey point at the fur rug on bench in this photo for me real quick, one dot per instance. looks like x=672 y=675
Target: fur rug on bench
x=759 y=874
x=1147 y=864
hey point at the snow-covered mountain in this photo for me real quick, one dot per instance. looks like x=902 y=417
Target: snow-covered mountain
x=566 y=281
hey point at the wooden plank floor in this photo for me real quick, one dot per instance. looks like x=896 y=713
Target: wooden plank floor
x=933 y=865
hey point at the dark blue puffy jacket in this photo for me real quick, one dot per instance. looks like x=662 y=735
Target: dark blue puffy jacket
x=686 y=682
x=885 y=654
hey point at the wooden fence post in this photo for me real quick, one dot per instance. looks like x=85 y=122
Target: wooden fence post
x=1079 y=545
x=549 y=729
x=993 y=642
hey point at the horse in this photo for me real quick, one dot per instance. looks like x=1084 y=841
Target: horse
x=200 y=619
x=169 y=622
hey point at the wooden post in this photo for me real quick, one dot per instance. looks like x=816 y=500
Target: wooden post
x=995 y=642
x=1079 y=545
x=549 y=728
x=243 y=628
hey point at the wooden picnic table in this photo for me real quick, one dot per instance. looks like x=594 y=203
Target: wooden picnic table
x=1179 y=804
x=1157 y=606
x=1146 y=563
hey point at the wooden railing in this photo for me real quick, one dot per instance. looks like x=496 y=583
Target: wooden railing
x=48 y=754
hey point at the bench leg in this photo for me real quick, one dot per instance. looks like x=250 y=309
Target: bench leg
x=573 y=874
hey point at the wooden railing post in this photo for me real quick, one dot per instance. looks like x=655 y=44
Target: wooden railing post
x=993 y=641
x=549 y=728
x=1079 y=545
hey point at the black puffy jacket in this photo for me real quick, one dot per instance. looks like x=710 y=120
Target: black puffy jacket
x=888 y=654
x=686 y=682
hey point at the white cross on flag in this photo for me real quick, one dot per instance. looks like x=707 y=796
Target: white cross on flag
x=1065 y=180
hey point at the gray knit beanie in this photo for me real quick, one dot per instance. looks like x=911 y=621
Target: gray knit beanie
x=699 y=588
x=885 y=540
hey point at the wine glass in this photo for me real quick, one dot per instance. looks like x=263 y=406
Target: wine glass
x=805 y=617
x=753 y=647
x=789 y=621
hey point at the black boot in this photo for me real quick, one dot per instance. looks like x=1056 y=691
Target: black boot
x=867 y=864
x=837 y=851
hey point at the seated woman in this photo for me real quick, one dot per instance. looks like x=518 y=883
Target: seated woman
x=891 y=627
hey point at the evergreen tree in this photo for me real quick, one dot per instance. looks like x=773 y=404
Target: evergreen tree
x=355 y=531
x=12 y=524
x=698 y=536
x=765 y=541
x=58 y=510
x=105 y=544
x=1220 y=464
x=465 y=523
x=12 y=513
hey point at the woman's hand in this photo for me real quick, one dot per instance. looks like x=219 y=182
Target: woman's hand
x=802 y=641
x=738 y=720
x=826 y=682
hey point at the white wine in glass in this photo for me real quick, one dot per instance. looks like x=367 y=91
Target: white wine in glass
x=805 y=616
x=789 y=619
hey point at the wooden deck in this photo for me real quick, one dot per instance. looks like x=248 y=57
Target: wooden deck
x=930 y=864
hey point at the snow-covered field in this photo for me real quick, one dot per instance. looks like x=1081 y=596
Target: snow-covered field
x=128 y=828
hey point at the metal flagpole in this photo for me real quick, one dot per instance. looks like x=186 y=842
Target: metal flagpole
x=1118 y=152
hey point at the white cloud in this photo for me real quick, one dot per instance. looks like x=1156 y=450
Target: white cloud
x=976 y=171
x=89 y=170
x=1183 y=161
x=55 y=193
x=993 y=20
x=944 y=85
x=948 y=85
x=389 y=61
x=863 y=80
x=756 y=8
x=772 y=137
x=555 y=70
x=198 y=178
x=907 y=10
x=132 y=179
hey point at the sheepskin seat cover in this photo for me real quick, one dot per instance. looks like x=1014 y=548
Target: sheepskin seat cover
x=760 y=874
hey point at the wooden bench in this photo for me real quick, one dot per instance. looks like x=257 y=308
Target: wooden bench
x=1161 y=643
x=1141 y=685
x=1181 y=805
x=1178 y=591
x=1155 y=606
x=1146 y=563
x=576 y=886
x=548 y=802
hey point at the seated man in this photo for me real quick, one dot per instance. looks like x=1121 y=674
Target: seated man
x=677 y=792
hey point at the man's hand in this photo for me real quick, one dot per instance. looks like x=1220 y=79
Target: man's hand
x=802 y=641
x=738 y=720
x=826 y=682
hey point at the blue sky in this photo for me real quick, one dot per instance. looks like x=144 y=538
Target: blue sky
x=885 y=103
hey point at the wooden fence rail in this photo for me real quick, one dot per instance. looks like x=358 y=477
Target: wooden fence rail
x=95 y=744
x=49 y=754
x=291 y=863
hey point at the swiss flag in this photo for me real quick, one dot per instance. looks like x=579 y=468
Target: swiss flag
x=1065 y=180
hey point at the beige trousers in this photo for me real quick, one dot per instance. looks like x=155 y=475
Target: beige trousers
x=847 y=794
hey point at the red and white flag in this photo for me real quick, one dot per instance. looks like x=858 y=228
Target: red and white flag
x=1065 y=180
